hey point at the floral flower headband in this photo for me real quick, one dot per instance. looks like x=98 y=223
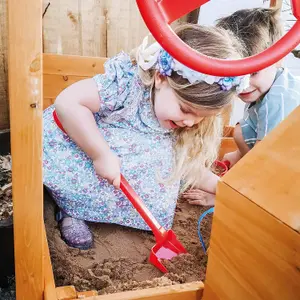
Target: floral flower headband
x=155 y=55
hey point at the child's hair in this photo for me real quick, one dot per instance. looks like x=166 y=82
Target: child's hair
x=198 y=147
x=257 y=28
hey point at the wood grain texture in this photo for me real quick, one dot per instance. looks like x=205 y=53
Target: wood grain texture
x=227 y=145
x=60 y=71
x=66 y=293
x=188 y=291
x=252 y=255
x=25 y=90
x=269 y=175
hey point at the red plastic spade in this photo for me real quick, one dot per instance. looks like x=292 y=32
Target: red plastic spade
x=167 y=246
x=223 y=166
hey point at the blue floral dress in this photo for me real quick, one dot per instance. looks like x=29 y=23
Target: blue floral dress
x=128 y=124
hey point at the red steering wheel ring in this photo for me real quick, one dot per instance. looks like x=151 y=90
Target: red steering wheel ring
x=158 y=14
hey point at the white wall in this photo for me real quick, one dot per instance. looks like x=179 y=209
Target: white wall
x=215 y=9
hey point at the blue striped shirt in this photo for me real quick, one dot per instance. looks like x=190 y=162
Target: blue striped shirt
x=262 y=117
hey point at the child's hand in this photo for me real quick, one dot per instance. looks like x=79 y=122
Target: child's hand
x=232 y=157
x=107 y=166
x=199 y=197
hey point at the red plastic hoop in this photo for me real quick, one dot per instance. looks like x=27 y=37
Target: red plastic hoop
x=157 y=14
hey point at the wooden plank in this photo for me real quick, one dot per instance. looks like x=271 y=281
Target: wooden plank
x=75 y=27
x=188 y=291
x=73 y=65
x=49 y=289
x=227 y=145
x=252 y=255
x=60 y=71
x=84 y=295
x=54 y=84
x=47 y=102
x=125 y=26
x=271 y=172
x=62 y=27
x=93 y=27
x=66 y=293
x=228 y=131
x=25 y=90
x=4 y=112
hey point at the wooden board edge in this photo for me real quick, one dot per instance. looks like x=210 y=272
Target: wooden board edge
x=187 y=291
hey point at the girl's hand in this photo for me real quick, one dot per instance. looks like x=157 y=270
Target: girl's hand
x=107 y=166
x=199 y=197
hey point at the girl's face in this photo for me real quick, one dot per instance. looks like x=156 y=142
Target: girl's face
x=171 y=112
x=260 y=84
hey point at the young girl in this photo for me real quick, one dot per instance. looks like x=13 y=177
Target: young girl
x=150 y=118
x=273 y=92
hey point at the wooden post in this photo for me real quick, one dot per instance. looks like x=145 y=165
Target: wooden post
x=25 y=91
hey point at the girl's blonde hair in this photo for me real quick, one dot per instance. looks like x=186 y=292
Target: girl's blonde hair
x=257 y=28
x=198 y=147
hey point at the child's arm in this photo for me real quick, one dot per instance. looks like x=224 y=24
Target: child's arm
x=233 y=157
x=204 y=192
x=208 y=182
x=75 y=107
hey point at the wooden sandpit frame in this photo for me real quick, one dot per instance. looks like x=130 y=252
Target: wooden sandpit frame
x=34 y=82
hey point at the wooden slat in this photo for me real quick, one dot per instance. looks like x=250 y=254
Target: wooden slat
x=73 y=65
x=88 y=294
x=25 y=90
x=188 y=291
x=271 y=172
x=125 y=26
x=60 y=71
x=54 y=84
x=252 y=255
x=93 y=27
x=62 y=27
x=227 y=145
x=66 y=293
x=75 y=27
x=47 y=102
x=49 y=289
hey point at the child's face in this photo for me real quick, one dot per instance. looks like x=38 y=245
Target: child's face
x=260 y=84
x=171 y=112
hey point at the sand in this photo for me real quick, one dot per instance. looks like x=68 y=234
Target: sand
x=119 y=259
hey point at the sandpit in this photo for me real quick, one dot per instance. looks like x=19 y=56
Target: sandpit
x=119 y=259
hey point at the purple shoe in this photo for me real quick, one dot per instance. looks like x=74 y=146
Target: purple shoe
x=74 y=232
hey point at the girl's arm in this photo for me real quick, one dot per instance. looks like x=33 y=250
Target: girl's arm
x=75 y=107
x=208 y=182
